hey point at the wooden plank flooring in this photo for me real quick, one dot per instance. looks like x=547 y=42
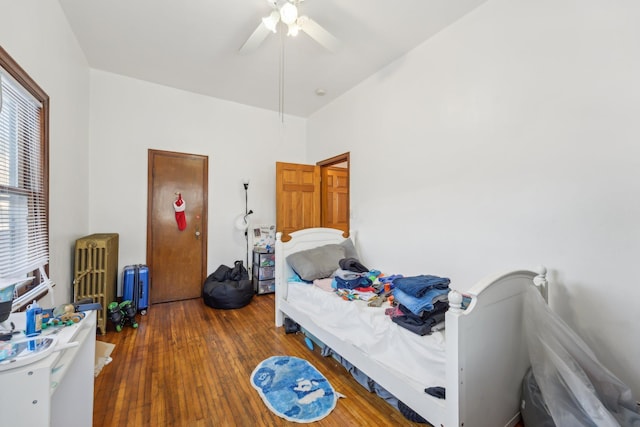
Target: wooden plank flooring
x=189 y=365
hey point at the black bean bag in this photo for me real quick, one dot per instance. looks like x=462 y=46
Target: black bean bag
x=228 y=294
x=221 y=291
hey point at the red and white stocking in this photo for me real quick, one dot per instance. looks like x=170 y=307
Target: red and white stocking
x=179 y=206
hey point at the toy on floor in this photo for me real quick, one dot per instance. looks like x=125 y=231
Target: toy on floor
x=121 y=314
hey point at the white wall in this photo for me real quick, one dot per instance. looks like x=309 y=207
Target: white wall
x=128 y=117
x=510 y=139
x=36 y=34
x=98 y=161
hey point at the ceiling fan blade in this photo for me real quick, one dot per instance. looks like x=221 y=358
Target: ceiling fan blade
x=255 y=39
x=319 y=34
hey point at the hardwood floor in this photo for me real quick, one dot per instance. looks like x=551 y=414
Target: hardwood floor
x=189 y=365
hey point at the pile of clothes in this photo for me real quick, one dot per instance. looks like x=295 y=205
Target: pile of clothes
x=421 y=303
x=351 y=275
x=353 y=281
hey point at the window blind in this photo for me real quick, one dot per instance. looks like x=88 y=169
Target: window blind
x=24 y=246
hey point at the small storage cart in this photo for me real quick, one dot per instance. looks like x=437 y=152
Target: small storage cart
x=264 y=266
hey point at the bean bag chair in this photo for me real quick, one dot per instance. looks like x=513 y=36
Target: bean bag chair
x=228 y=288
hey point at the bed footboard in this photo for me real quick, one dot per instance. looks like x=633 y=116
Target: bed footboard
x=487 y=353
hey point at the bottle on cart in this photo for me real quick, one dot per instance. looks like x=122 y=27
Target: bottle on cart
x=34 y=320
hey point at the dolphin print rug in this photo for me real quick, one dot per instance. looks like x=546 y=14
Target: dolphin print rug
x=293 y=389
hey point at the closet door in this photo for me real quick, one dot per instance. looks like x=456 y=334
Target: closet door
x=313 y=195
x=297 y=197
x=335 y=198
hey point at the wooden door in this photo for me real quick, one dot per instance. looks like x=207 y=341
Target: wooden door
x=300 y=195
x=177 y=259
x=335 y=198
x=297 y=197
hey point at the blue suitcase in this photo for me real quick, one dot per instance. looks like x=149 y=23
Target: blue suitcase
x=135 y=286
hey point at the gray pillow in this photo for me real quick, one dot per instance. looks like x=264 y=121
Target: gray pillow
x=317 y=263
x=349 y=250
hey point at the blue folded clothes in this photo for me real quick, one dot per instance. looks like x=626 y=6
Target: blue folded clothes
x=417 y=286
x=352 y=283
x=418 y=305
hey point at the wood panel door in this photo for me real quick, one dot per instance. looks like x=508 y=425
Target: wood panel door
x=335 y=198
x=297 y=197
x=177 y=259
x=313 y=195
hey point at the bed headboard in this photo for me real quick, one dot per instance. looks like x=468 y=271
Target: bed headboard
x=301 y=240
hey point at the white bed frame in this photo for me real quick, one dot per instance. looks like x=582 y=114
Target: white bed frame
x=486 y=351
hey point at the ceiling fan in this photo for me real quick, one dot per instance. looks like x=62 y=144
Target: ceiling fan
x=286 y=12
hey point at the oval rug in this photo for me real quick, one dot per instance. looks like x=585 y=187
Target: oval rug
x=294 y=389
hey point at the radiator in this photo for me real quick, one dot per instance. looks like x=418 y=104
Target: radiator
x=96 y=272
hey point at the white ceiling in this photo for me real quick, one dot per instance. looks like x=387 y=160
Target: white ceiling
x=193 y=44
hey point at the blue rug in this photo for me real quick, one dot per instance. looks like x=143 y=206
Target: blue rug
x=293 y=389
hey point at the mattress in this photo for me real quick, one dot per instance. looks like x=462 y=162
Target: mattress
x=418 y=360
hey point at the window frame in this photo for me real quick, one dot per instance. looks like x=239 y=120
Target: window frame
x=40 y=283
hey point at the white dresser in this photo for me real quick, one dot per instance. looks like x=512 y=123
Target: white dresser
x=56 y=390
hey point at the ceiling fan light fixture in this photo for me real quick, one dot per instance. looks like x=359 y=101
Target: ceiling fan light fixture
x=289 y=13
x=271 y=21
x=294 y=29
